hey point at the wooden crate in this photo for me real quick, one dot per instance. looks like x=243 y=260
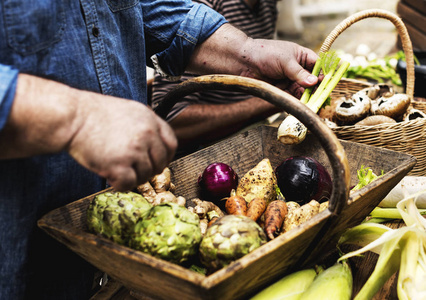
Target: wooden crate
x=413 y=13
x=302 y=246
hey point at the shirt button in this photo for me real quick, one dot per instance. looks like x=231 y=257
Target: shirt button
x=95 y=31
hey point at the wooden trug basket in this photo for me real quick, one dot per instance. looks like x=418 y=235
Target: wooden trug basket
x=150 y=277
x=407 y=136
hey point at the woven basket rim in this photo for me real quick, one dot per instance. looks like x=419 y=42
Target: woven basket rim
x=382 y=126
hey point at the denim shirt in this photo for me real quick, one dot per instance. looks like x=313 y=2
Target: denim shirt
x=95 y=45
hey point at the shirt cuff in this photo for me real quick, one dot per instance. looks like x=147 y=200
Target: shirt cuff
x=201 y=22
x=8 y=82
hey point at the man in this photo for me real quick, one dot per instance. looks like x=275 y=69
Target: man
x=65 y=128
x=207 y=116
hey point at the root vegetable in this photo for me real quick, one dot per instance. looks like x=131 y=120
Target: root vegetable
x=212 y=216
x=259 y=182
x=159 y=189
x=147 y=191
x=323 y=206
x=202 y=208
x=291 y=206
x=236 y=205
x=300 y=215
x=172 y=187
x=302 y=178
x=291 y=130
x=256 y=208
x=165 y=197
x=407 y=186
x=204 y=225
x=217 y=181
x=161 y=182
x=274 y=217
x=181 y=201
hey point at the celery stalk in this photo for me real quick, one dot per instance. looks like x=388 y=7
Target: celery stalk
x=291 y=131
x=315 y=106
x=315 y=71
x=318 y=92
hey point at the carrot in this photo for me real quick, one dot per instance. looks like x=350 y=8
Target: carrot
x=256 y=208
x=212 y=216
x=274 y=217
x=212 y=221
x=236 y=205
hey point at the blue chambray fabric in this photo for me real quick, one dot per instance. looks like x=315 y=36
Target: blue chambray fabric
x=96 y=45
x=8 y=80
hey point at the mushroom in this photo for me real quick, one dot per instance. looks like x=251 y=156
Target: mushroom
x=379 y=90
x=394 y=106
x=375 y=120
x=413 y=114
x=352 y=109
x=330 y=123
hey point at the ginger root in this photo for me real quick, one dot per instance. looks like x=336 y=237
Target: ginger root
x=159 y=189
x=207 y=211
x=202 y=207
x=161 y=182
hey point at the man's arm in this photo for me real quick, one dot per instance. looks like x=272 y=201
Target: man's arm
x=208 y=122
x=123 y=141
x=229 y=51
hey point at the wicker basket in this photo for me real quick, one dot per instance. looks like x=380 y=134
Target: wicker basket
x=407 y=136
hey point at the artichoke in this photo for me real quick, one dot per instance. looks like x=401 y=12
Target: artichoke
x=114 y=215
x=170 y=232
x=228 y=239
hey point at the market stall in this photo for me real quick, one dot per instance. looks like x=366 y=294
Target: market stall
x=137 y=271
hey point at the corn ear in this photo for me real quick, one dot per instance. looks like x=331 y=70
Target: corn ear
x=408 y=270
x=289 y=287
x=334 y=283
x=404 y=249
x=387 y=264
x=363 y=235
x=390 y=213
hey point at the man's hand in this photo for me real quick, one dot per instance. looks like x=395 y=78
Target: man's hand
x=282 y=63
x=121 y=140
x=230 y=51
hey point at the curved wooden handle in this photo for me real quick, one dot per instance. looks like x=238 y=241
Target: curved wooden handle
x=274 y=95
x=402 y=31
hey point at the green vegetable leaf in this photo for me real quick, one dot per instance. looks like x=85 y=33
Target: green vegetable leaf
x=365 y=176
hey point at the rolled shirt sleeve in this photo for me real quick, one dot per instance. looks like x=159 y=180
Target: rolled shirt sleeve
x=190 y=24
x=8 y=81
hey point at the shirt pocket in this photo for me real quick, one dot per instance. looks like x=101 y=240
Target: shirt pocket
x=33 y=25
x=118 y=5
